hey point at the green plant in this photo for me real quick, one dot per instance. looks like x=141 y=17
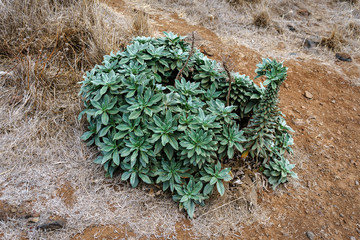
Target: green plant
x=278 y=170
x=213 y=174
x=188 y=195
x=157 y=129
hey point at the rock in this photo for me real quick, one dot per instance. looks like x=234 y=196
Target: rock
x=299 y=122
x=54 y=225
x=286 y=85
x=341 y=215
x=352 y=238
x=310 y=235
x=291 y=28
x=303 y=12
x=333 y=101
x=343 y=57
x=34 y=219
x=357 y=183
x=308 y=43
x=308 y=95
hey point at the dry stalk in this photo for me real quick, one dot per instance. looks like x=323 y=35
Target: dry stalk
x=187 y=60
x=230 y=81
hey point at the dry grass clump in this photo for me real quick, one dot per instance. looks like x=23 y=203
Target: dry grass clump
x=239 y=3
x=334 y=42
x=47 y=45
x=77 y=32
x=353 y=29
x=349 y=1
x=261 y=19
x=140 y=24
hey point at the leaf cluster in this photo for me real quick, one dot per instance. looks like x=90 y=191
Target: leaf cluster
x=159 y=130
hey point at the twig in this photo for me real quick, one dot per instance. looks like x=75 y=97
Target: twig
x=10 y=170
x=221 y=206
x=225 y=204
x=187 y=60
x=230 y=81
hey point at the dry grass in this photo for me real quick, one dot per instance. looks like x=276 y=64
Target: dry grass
x=140 y=24
x=261 y=19
x=241 y=3
x=310 y=19
x=353 y=30
x=334 y=42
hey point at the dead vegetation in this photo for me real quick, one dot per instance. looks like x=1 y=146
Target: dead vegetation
x=334 y=42
x=286 y=22
x=261 y=19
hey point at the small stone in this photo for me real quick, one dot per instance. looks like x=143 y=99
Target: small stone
x=343 y=57
x=333 y=101
x=308 y=95
x=286 y=85
x=310 y=235
x=291 y=28
x=308 y=43
x=357 y=183
x=299 y=122
x=341 y=215
x=303 y=12
x=34 y=219
x=54 y=225
x=352 y=238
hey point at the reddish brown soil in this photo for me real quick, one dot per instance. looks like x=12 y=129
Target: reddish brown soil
x=327 y=202
x=66 y=193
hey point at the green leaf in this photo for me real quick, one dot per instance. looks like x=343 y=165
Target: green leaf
x=105 y=118
x=134 y=114
x=145 y=178
x=220 y=187
x=86 y=135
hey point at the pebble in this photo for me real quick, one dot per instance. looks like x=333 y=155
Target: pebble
x=52 y=225
x=352 y=238
x=303 y=12
x=343 y=57
x=357 y=183
x=34 y=219
x=291 y=28
x=299 y=122
x=308 y=43
x=310 y=235
x=286 y=85
x=308 y=95
x=341 y=215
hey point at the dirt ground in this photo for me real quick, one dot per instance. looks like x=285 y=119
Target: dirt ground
x=325 y=200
